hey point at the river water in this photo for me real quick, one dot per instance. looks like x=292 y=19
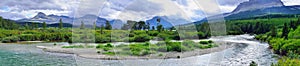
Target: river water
x=245 y=50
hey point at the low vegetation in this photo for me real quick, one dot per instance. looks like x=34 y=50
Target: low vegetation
x=142 y=49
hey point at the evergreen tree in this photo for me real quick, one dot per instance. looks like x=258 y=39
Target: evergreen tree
x=250 y=28
x=285 y=31
x=26 y=26
x=60 y=24
x=94 y=25
x=160 y=28
x=273 y=31
x=82 y=26
x=101 y=29
x=153 y=28
x=32 y=25
x=204 y=27
x=148 y=26
x=257 y=28
x=293 y=25
x=108 y=26
x=298 y=22
x=172 y=28
x=141 y=25
x=44 y=25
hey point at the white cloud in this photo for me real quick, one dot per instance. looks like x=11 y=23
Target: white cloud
x=226 y=9
x=190 y=9
x=122 y=9
x=132 y=10
x=291 y=2
x=209 y=7
x=28 y=8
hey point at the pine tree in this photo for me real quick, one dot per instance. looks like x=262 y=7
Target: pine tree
x=82 y=26
x=153 y=28
x=160 y=28
x=44 y=25
x=108 y=26
x=172 y=28
x=273 y=31
x=293 y=25
x=32 y=25
x=148 y=26
x=95 y=25
x=257 y=28
x=285 y=31
x=101 y=29
x=26 y=26
x=60 y=24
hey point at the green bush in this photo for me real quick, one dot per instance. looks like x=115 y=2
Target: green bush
x=204 y=42
x=287 y=62
x=99 y=46
x=106 y=48
x=145 y=52
x=10 y=39
x=201 y=35
x=109 y=45
x=141 y=38
x=73 y=46
x=210 y=41
x=109 y=53
x=153 y=33
x=189 y=44
x=253 y=64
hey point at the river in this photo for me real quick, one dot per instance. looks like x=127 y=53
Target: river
x=245 y=51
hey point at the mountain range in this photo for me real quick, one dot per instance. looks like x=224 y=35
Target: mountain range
x=90 y=19
x=255 y=8
x=248 y=9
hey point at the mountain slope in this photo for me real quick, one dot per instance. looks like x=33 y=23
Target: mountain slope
x=49 y=19
x=257 y=4
x=255 y=8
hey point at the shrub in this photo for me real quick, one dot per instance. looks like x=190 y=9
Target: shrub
x=141 y=38
x=162 y=49
x=201 y=35
x=189 y=44
x=173 y=46
x=153 y=33
x=160 y=54
x=108 y=45
x=99 y=46
x=74 y=46
x=10 y=39
x=146 y=52
x=102 y=39
x=189 y=35
x=109 y=53
x=288 y=62
x=204 y=42
x=210 y=41
x=253 y=64
x=106 y=48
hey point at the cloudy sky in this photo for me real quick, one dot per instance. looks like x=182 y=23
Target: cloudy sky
x=121 y=9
